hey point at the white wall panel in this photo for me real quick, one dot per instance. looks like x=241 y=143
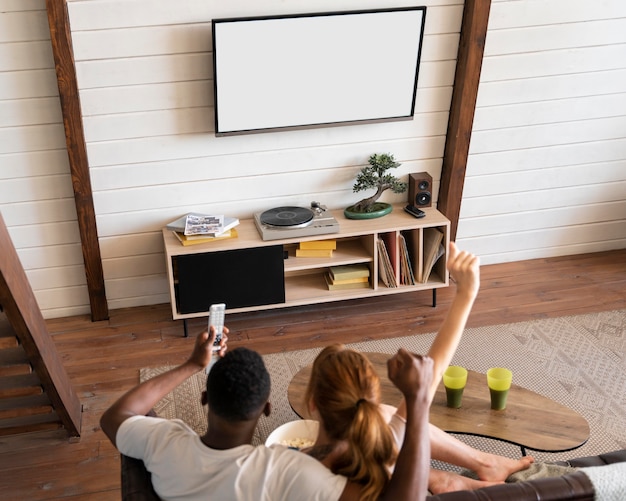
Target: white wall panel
x=534 y=181
x=546 y=175
x=31 y=138
x=528 y=201
x=547 y=170
x=22 y=84
x=539 y=89
x=50 y=257
x=23 y=26
x=202 y=145
x=247 y=164
x=39 y=212
x=545 y=112
x=25 y=56
x=594 y=237
x=144 y=70
x=37 y=111
x=70 y=302
x=549 y=156
x=115 y=14
x=534 y=136
x=66 y=276
x=529 y=220
x=559 y=62
x=36 y=197
x=554 y=36
x=45 y=234
x=530 y=13
x=39 y=188
x=34 y=163
x=20 y=5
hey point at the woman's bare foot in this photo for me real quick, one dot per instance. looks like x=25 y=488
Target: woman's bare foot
x=441 y=481
x=498 y=468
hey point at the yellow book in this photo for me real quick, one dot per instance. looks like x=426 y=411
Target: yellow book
x=344 y=286
x=349 y=271
x=314 y=253
x=319 y=244
x=185 y=240
x=356 y=280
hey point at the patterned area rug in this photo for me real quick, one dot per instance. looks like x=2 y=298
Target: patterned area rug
x=578 y=361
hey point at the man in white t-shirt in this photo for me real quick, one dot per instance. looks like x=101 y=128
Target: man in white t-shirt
x=223 y=464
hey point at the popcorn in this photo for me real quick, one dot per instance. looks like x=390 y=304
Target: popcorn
x=298 y=443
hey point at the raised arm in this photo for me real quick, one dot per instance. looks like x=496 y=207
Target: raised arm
x=412 y=374
x=465 y=271
x=142 y=398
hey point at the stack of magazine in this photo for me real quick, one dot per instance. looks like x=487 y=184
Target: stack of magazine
x=195 y=228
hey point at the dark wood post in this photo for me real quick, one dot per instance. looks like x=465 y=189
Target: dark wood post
x=61 y=38
x=467 y=77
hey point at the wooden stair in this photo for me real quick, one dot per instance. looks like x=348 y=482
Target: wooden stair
x=35 y=391
x=24 y=406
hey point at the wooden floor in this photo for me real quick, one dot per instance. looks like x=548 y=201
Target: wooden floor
x=103 y=358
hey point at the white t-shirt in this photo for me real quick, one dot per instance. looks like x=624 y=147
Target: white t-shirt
x=183 y=468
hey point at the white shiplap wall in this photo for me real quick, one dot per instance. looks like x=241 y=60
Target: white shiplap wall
x=546 y=174
x=547 y=169
x=145 y=77
x=36 y=198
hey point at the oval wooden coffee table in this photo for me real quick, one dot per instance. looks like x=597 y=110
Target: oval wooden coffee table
x=530 y=420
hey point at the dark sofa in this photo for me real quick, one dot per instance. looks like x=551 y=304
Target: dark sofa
x=572 y=486
x=136 y=485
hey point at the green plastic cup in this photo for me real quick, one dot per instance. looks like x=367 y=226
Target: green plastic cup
x=499 y=381
x=454 y=381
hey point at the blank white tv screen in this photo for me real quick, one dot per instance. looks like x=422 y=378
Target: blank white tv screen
x=312 y=70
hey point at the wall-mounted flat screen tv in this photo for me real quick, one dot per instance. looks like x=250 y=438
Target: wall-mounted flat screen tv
x=314 y=70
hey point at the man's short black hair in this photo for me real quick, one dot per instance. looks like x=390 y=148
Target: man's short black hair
x=238 y=385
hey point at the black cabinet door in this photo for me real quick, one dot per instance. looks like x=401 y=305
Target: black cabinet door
x=240 y=278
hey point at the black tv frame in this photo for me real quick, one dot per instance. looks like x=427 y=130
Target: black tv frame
x=247 y=44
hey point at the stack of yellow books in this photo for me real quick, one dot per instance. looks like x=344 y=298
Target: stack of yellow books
x=316 y=248
x=350 y=276
x=203 y=239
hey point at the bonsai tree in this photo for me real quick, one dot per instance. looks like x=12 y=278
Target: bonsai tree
x=375 y=176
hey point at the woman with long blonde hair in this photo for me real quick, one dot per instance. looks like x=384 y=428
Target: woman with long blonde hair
x=355 y=440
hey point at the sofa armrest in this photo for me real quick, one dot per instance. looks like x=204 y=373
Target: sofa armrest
x=618 y=456
x=573 y=486
x=136 y=481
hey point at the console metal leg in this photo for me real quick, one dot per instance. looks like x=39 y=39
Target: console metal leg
x=185 y=327
x=434 y=298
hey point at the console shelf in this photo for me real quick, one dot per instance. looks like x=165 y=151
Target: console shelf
x=249 y=274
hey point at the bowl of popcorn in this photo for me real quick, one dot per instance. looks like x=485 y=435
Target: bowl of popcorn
x=298 y=434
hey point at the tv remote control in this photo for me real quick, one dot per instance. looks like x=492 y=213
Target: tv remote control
x=217 y=313
x=414 y=211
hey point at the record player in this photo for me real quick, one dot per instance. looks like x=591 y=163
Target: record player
x=293 y=222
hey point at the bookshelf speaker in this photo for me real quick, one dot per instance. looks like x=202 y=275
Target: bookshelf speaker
x=420 y=189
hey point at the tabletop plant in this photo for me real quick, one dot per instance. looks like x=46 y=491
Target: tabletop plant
x=375 y=176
